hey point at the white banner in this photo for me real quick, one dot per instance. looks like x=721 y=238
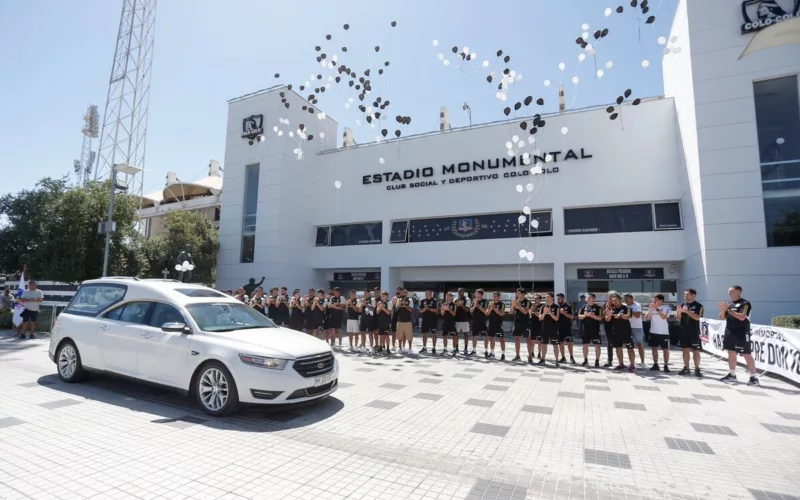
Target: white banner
x=775 y=350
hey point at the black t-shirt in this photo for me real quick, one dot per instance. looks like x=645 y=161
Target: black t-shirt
x=352 y=312
x=297 y=310
x=479 y=316
x=403 y=314
x=335 y=313
x=564 y=323
x=316 y=312
x=367 y=309
x=462 y=311
x=385 y=313
x=536 y=323
x=433 y=309
x=689 y=325
x=449 y=319
x=283 y=304
x=259 y=303
x=519 y=316
x=497 y=319
x=548 y=323
x=591 y=325
x=740 y=306
x=621 y=326
x=272 y=306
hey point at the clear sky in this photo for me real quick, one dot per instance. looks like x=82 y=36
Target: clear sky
x=56 y=59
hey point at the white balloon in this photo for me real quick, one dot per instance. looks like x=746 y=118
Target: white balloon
x=609 y=64
x=275 y=128
x=178 y=267
x=465 y=50
x=509 y=145
x=564 y=130
x=521 y=144
x=529 y=187
x=337 y=184
x=291 y=134
x=780 y=140
x=510 y=152
x=536 y=170
x=662 y=40
x=347 y=105
x=589 y=47
x=526 y=160
x=521 y=219
x=381 y=161
x=446 y=62
x=435 y=43
x=531 y=139
x=547 y=83
x=526 y=210
x=581 y=57
x=608 y=11
x=562 y=66
x=441 y=57
x=350 y=100
x=645 y=63
x=548 y=158
x=535 y=223
x=280 y=133
x=575 y=80
x=514 y=138
x=585 y=26
x=522 y=254
x=322 y=135
x=485 y=64
x=590 y=51
x=529 y=256
x=473 y=56
x=519 y=188
x=585 y=35
x=600 y=73
x=358 y=122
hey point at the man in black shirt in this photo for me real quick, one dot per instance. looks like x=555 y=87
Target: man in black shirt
x=496 y=310
x=297 y=311
x=478 y=311
x=336 y=316
x=522 y=321
x=565 y=317
x=591 y=316
x=689 y=314
x=736 y=314
x=383 y=311
x=620 y=316
x=272 y=305
x=536 y=329
x=429 y=310
x=353 y=324
x=366 y=306
x=449 y=323
x=462 y=319
x=282 y=315
x=308 y=327
x=549 y=318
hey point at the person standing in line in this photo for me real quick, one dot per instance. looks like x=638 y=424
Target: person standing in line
x=582 y=303
x=736 y=314
x=258 y=302
x=282 y=301
x=398 y=292
x=336 y=318
x=366 y=306
x=478 y=312
x=637 y=326
x=591 y=316
x=549 y=319
x=522 y=321
x=621 y=316
x=315 y=321
x=565 y=316
x=307 y=324
x=658 y=314
x=449 y=323
x=297 y=311
x=462 y=319
x=384 y=314
x=429 y=310
x=405 y=316
x=353 y=326
x=689 y=314
x=608 y=329
x=6 y=300
x=240 y=296
x=535 y=338
x=31 y=299
x=272 y=305
x=496 y=311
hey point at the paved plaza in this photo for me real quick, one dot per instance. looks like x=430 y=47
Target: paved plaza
x=422 y=428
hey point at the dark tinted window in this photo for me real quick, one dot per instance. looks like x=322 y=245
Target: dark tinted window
x=165 y=313
x=357 y=234
x=399 y=232
x=782 y=218
x=777 y=105
x=91 y=300
x=323 y=235
x=135 y=312
x=479 y=227
x=615 y=219
x=114 y=313
x=668 y=216
x=249 y=216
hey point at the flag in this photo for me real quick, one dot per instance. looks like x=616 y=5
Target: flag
x=19 y=305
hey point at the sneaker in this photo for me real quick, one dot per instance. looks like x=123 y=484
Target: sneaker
x=502 y=357
x=472 y=352
x=562 y=360
x=608 y=365
x=572 y=361
x=596 y=364
x=685 y=371
x=491 y=355
x=466 y=352
x=730 y=377
x=619 y=368
x=486 y=354
x=666 y=369
x=424 y=350
x=585 y=362
x=632 y=368
x=655 y=368
x=541 y=362
x=753 y=381
x=697 y=373
x=516 y=358
x=642 y=365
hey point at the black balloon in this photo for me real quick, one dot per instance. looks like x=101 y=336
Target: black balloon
x=310 y=137
x=620 y=9
x=277 y=75
x=281 y=94
x=397 y=133
x=344 y=49
x=637 y=101
x=377 y=48
x=369 y=119
x=352 y=82
x=541 y=123
x=620 y=99
x=386 y=63
x=517 y=106
x=644 y=3
x=380 y=71
x=317 y=48
x=628 y=93
x=305 y=108
x=310 y=109
x=598 y=34
x=327 y=37
x=613 y=116
x=540 y=101
x=489 y=78
x=507 y=58
x=338 y=79
x=499 y=52
x=314 y=101
x=302 y=87
x=604 y=33
x=506 y=71
x=528 y=100
x=394 y=23
x=610 y=109
x=323 y=56
x=534 y=130
x=384 y=132
x=579 y=41
x=377 y=114
x=283 y=100
x=651 y=20
x=398 y=118
x=346 y=26
x=523 y=125
x=507 y=111
x=289 y=87
x=360 y=97
x=634 y=3
x=455 y=50
x=286 y=104
x=301 y=127
x=319 y=77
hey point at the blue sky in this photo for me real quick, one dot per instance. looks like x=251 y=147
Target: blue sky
x=57 y=59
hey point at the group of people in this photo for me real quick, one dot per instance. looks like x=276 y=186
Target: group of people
x=376 y=323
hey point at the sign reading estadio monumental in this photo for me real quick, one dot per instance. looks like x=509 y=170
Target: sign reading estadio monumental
x=475 y=171
x=760 y=14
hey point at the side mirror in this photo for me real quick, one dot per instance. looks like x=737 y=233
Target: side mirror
x=176 y=328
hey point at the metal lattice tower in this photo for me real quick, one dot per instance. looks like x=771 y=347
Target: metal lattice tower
x=124 y=135
x=83 y=166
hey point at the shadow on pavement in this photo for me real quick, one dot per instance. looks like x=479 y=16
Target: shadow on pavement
x=178 y=410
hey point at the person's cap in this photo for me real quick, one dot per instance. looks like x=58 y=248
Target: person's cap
x=296 y=290
x=582 y=296
x=559 y=295
x=32 y=282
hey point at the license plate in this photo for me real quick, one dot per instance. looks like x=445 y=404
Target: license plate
x=323 y=379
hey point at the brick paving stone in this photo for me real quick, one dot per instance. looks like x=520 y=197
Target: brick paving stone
x=687 y=445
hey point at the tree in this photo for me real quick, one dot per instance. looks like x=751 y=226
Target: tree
x=53 y=228
x=184 y=228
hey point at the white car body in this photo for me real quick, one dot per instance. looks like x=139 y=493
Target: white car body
x=172 y=359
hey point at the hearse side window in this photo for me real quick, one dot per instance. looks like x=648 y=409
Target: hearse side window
x=135 y=312
x=91 y=300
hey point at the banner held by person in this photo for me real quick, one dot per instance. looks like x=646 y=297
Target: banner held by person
x=775 y=350
x=19 y=306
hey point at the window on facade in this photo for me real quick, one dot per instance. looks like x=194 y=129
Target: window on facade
x=249 y=215
x=480 y=227
x=614 y=219
x=399 y=232
x=668 y=216
x=323 y=236
x=370 y=233
x=777 y=103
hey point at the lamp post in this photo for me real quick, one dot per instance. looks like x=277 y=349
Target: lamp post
x=109 y=226
x=466 y=108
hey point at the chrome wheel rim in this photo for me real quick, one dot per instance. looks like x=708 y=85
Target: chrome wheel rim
x=213 y=389
x=67 y=361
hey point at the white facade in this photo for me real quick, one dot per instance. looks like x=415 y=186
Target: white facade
x=696 y=146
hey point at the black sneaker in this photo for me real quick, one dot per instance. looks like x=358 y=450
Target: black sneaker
x=466 y=352
x=503 y=357
x=433 y=351
x=619 y=368
x=685 y=371
x=472 y=352
x=608 y=365
x=697 y=373
x=516 y=358
x=596 y=364
x=562 y=360
x=486 y=354
x=424 y=350
x=728 y=378
x=585 y=362
x=753 y=381
x=655 y=368
x=572 y=361
x=540 y=363
x=666 y=369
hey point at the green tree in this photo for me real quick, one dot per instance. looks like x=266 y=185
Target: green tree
x=184 y=228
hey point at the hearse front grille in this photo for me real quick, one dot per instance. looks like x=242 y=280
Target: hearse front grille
x=314 y=366
x=310 y=392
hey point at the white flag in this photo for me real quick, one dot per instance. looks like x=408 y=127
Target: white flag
x=19 y=305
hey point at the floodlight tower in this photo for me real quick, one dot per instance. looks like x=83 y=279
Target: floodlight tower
x=83 y=165
x=124 y=133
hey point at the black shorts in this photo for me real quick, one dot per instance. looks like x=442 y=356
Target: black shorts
x=479 y=328
x=565 y=335
x=591 y=337
x=296 y=323
x=429 y=325
x=621 y=339
x=383 y=327
x=536 y=330
x=691 y=340
x=449 y=329
x=737 y=341
x=367 y=326
x=550 y=337
x=28 y=315
x=496 y=331
x=660 y=340
x=522 y=330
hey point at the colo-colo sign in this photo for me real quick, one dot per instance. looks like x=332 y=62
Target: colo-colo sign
x=252 y=126
x=483 y=170
x=760 y=14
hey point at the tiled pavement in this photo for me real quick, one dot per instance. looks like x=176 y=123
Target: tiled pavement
x=424 y=428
